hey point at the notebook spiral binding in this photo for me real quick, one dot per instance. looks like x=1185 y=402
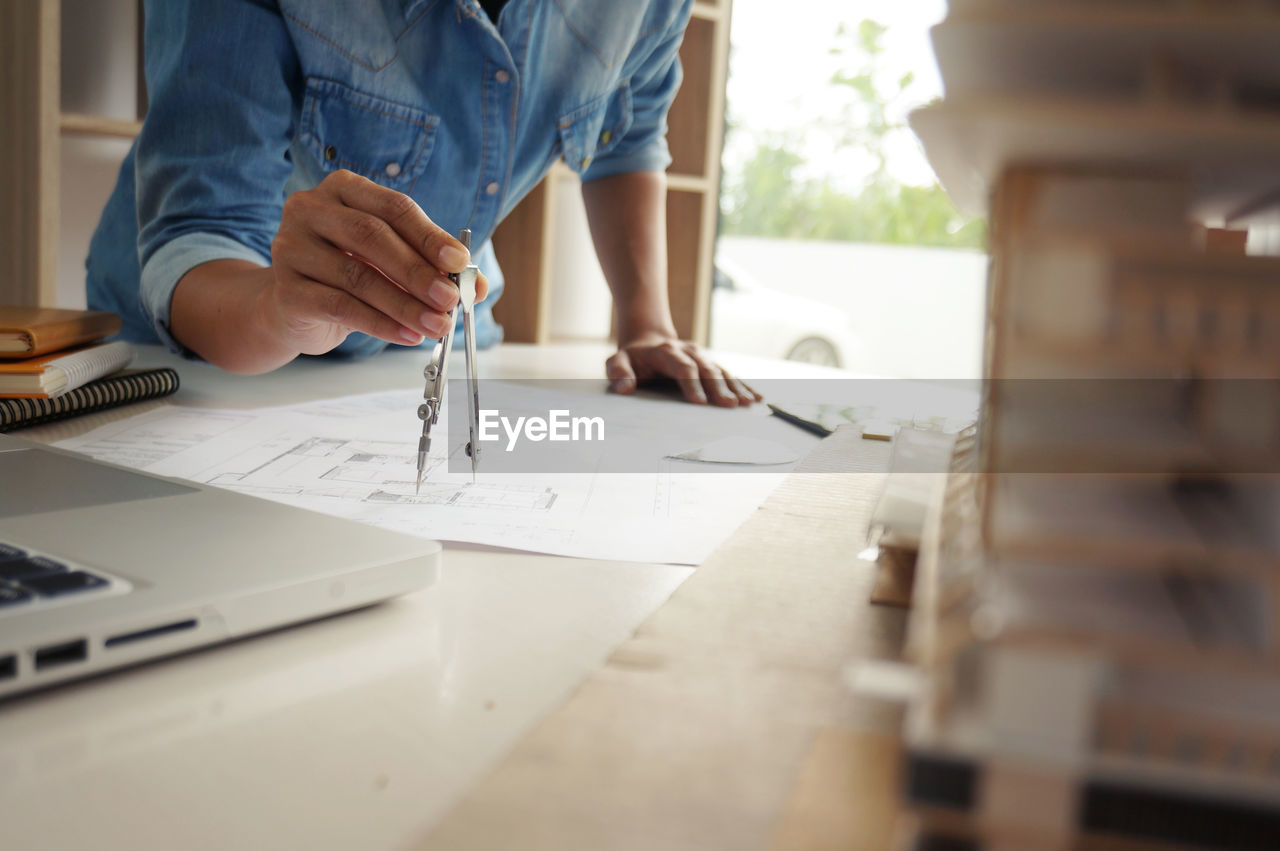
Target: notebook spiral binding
x=112 y=391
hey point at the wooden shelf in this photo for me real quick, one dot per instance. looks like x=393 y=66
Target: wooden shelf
x=708 y=11
x=689 y=183
x=77 y=124
x=676 y=181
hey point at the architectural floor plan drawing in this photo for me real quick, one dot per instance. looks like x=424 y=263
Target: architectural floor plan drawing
x=367 y=471
x=475 y=495
x=356 y=457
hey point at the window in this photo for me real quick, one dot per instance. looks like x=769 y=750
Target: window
x=836 y=244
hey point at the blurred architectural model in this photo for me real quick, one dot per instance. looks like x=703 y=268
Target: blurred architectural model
x=1097 y=598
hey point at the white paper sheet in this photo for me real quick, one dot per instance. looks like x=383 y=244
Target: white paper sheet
x=356 y=457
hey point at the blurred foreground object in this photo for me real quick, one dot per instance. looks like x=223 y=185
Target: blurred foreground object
x=1096 y=599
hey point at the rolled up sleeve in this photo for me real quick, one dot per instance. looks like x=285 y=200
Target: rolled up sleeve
x=174 y=259
x=653 y=89
x=212 y=157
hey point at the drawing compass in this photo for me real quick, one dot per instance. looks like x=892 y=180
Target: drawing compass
x=436 y=370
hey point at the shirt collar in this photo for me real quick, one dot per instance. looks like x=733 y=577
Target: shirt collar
x=412 y=8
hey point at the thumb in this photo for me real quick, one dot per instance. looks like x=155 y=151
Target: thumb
x=622 y=378
x=482 y=288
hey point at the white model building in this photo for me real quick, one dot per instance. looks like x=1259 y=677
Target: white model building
x=1098 y=596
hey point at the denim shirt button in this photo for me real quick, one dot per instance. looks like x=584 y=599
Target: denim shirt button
x=392 y=169
x=502 y=76
x=330 y=153
x=492 y=188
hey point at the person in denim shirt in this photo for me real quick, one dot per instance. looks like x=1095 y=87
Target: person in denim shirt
x=304 y=165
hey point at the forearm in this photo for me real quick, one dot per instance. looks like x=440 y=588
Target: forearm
x=627 y=215
x=219 y=311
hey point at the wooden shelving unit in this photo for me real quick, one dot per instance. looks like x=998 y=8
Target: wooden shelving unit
x=74 y=123
x=695 y=136
x=29 y=48
x=31 y=126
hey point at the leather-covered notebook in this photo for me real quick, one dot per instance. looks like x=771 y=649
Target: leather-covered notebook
x=29 y=331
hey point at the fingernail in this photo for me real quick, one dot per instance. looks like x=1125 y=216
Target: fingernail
x=413 y=338
x=452 y=259
x=624 y=385
x=442 y=294
x=435 y=324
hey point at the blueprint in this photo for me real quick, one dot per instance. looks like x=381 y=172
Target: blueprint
x=356 y=457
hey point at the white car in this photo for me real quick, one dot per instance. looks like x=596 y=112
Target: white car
x=748 y=317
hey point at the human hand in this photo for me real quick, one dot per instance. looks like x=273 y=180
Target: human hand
x=351 y=255
x=701 y=381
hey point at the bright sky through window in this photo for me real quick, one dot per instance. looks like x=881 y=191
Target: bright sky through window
x=779 y=82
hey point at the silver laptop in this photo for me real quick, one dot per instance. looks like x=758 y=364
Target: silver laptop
x=102 y=567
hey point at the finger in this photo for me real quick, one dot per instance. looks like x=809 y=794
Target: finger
x=675 y=364
x=368 y=284
x=622 y=378
x=712 y=378
x=369 y=237
x=431 y=242
x=745 y=394
x=714 y=384
x=739 y=388
x=311 y=298
x=426 y=241
x=482 y=288
x=443 y=293
x=376 y=243
x=735 y=387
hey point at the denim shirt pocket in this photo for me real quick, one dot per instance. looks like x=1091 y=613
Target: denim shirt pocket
x=385 y=141
x=595 y=129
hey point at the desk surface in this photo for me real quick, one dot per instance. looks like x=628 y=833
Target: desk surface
x=360 y=731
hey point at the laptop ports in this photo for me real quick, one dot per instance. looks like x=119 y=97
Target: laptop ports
x=152 y=632
x=61 y=654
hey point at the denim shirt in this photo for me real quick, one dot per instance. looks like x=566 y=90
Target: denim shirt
x=251 y=100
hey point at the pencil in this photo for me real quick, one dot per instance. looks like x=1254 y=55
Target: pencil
x=808 y=425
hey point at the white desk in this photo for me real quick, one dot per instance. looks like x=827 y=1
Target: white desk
x=359 y=731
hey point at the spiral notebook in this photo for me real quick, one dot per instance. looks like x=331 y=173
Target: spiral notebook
x=121 y=388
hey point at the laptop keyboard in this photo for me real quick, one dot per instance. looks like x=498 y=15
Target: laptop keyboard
x=27 y=577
